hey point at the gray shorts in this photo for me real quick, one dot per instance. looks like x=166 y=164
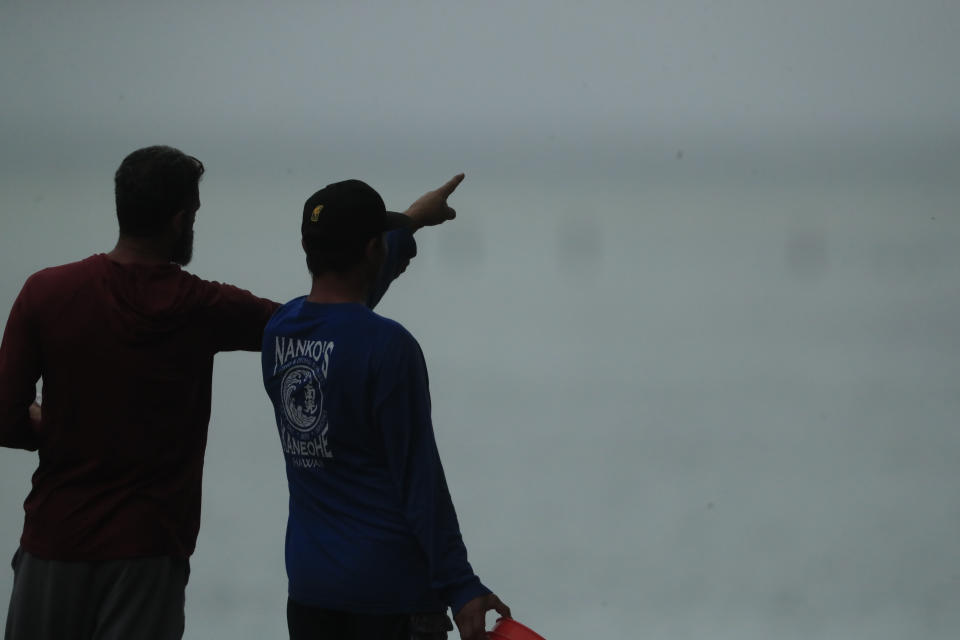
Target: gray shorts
x=138 y=598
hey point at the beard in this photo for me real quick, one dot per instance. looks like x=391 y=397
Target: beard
x=183 y=249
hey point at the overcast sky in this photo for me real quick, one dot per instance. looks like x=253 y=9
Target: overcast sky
x=578 y=70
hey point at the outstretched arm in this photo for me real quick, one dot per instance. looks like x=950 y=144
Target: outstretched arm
x=428 y=210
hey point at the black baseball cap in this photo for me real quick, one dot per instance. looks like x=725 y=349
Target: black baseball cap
x=347 y=212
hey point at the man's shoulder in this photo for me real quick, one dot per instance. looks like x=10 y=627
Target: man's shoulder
x=131 y=278
x=215 y=291
x=352 y=319
x=393 y=335
x=77 y=266
x=393 y=327
x=64 y=275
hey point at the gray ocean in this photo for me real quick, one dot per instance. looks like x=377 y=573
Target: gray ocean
x=706 y=395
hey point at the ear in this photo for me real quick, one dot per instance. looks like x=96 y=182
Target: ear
x=375 y=248
x=303 y=243
x=179 y=220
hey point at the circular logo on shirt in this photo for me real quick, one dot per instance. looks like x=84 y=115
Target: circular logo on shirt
x=302 y=397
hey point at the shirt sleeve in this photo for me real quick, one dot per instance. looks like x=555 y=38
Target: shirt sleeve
x=402 y=410
x=20 y=368
x=401 y=248
x=236 y=317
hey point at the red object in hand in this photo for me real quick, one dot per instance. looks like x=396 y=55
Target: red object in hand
x=507 y=629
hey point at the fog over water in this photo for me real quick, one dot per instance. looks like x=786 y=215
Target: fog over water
x=692 y=338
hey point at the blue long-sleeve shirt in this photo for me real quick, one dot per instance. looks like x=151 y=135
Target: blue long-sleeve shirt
x=371 y=527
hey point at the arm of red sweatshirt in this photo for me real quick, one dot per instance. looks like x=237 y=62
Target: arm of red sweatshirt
x=20 y=368
x=234 y=317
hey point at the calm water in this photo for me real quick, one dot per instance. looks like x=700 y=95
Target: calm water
x=667 y=408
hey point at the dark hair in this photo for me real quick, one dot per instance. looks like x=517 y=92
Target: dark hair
x=321 y=258
x=151 y=186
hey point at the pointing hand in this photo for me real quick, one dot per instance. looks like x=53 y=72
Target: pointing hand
x=431 y=208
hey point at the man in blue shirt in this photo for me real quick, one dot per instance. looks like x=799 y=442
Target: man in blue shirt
x=372 y=536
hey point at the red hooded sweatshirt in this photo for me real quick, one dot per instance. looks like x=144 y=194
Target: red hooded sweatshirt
x=126 y=356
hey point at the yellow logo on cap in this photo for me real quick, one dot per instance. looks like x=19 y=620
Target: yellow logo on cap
x=316 y=213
